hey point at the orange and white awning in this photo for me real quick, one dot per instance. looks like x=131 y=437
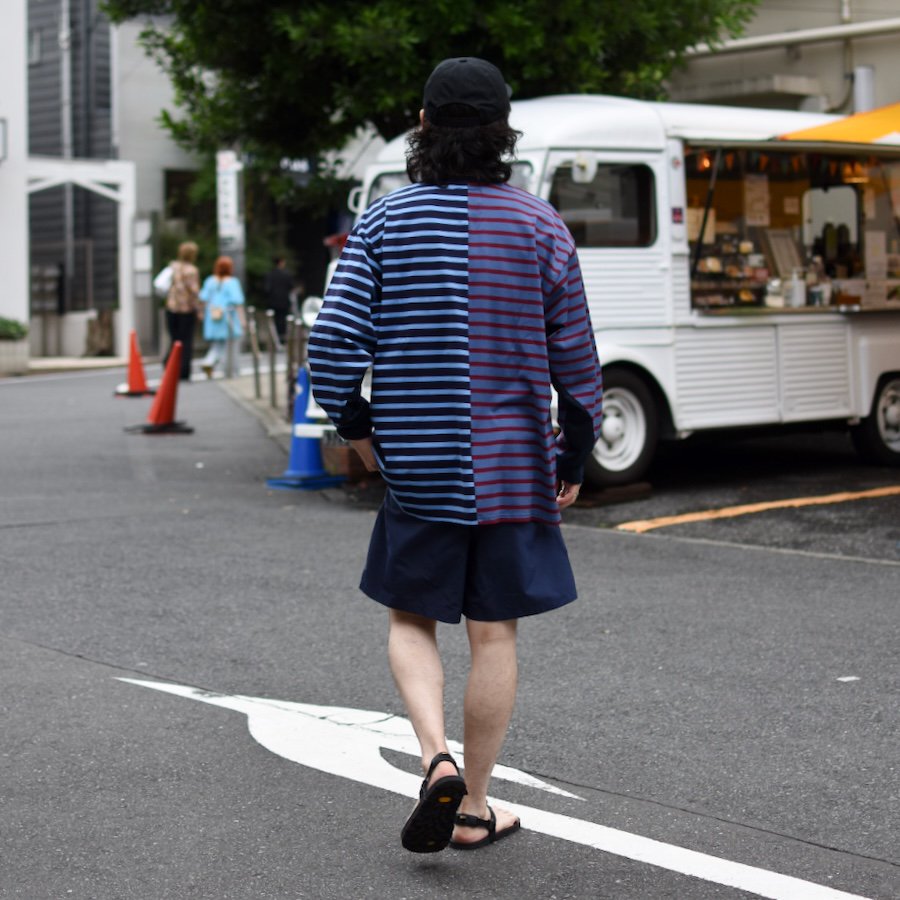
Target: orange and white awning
x=879 y=127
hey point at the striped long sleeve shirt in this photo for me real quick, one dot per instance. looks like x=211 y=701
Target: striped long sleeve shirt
x=467 y=302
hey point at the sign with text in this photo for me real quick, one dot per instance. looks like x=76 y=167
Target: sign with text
x=229 y=200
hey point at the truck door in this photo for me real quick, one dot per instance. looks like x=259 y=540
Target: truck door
x=611 y=202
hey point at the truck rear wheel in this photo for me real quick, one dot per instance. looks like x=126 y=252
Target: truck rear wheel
x=877 y=437
x=628 y=434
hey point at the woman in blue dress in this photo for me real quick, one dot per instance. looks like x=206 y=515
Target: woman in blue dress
x=224 y=319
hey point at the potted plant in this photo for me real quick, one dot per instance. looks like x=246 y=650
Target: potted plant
x=13 y=347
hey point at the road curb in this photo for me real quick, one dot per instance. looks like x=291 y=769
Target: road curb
x=271 y=420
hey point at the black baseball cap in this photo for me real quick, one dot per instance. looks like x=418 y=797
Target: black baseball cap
x=470 y=82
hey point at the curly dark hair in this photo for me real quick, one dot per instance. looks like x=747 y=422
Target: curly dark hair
x=437 y=154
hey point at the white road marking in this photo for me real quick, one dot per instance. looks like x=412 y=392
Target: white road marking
x=339 y=741
x=348 y=743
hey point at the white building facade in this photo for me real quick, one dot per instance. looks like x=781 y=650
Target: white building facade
x=13 y=163
x=97 y=179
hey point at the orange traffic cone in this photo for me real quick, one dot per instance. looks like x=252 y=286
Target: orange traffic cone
x=137 y=382
x=162 y=414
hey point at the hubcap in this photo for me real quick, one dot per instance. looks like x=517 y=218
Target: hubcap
x=613 y=429
x=888 y=415
x=623 y=434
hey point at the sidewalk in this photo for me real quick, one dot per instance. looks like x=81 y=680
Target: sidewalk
x=242 y=389
x=47 y=364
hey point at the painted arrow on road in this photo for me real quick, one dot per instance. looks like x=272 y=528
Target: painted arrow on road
x=344 y=742
x=348 y=743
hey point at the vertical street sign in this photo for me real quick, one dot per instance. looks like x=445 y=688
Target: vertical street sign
x=230 y=219
x=230 y=206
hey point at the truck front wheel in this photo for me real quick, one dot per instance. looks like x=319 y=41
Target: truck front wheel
x=877 y=437
x=628 y=434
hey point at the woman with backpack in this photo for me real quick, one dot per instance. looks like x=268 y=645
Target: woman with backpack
x=183 y=304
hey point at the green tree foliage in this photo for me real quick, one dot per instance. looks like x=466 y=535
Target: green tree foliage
x=291 y=78
x=11 y=330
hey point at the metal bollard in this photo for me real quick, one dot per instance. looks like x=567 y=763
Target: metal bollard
x=296 y=358
x=272 y=341
x=232 y=347
x=229 y=358
x=254 y=348
x=289 y=368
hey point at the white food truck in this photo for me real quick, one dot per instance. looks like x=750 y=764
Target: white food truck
x=735 y=278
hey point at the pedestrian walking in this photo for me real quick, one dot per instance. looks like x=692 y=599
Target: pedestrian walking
x=278 y=286
x=465 y=296
x=224 y=319
x=182 y=304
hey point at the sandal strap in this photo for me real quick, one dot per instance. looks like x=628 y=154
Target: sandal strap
x=470 y=821
x=438 y=759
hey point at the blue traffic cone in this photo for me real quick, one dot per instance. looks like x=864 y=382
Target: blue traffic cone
x=305 y=471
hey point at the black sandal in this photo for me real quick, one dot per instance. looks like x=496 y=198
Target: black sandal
x=430 y=826
x=492 y=834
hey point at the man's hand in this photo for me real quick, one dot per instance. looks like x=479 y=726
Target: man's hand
x=568 y=494
x=363 y=447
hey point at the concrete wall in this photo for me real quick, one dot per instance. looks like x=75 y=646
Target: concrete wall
x=67 y=335
x=13 y=170
x=814 y=76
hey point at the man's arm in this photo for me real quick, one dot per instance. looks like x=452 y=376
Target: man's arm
x=342 y=342
x=575 y=372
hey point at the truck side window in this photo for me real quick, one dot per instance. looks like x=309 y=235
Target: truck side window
x=615 y=209
x=385 y=183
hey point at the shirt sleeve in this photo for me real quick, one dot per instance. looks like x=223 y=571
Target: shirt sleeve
x=574 y=370
x=237 y=293
x=342 y=342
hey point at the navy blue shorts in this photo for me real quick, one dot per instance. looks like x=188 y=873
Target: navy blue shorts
x=488 y=573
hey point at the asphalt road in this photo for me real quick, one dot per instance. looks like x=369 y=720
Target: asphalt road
x=712 y=472
x=696 y=695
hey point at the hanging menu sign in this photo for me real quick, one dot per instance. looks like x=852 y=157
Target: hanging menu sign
x=756 y=200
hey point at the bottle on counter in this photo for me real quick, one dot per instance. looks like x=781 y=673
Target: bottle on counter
x=774 y=293
x=797 y=295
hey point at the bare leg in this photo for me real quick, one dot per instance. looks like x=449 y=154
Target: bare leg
x=419 y=675
x=490 y=696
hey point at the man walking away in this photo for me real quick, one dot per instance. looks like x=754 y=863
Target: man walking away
x=278 y=286
x=465 y=296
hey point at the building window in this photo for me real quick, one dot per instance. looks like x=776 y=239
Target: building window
x=34 y=46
